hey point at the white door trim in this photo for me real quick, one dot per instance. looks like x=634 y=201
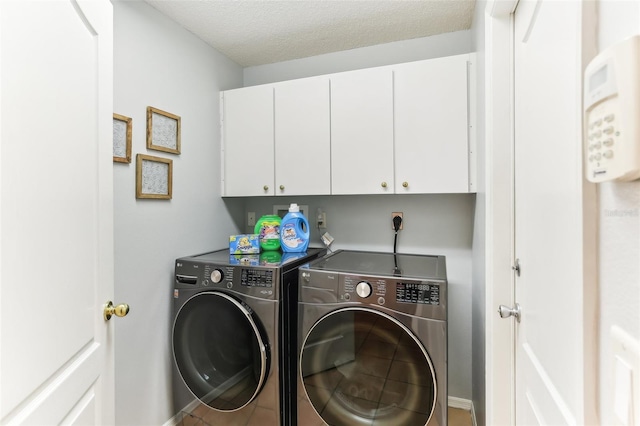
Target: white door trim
x=499 y=344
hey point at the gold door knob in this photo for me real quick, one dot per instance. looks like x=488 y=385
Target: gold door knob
x=266 y=187
x=281 y=187
x=405 y=184
x=120 y=311
x=383 y=184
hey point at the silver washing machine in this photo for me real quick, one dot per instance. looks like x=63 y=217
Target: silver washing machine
x=229 y=342
x=373 y=340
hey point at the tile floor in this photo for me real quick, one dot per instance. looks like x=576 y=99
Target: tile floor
x=459 y=417
x=204 y=416
x=200 y=417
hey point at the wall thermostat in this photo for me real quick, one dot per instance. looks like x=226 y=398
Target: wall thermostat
x=612 y=113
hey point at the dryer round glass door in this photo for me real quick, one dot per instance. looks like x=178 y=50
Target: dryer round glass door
x=360 y=366
x=221 y=350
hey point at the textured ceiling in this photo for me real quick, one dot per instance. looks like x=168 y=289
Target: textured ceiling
x=256 y=32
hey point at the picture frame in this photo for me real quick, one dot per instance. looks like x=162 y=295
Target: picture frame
x=121 y=138
x=163 y=131
x=154 y=177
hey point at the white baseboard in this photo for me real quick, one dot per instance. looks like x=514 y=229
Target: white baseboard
x=463 y=404
x=173 y=421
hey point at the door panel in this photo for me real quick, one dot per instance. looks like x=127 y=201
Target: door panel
x=362 y=367
x=549 y=213
x=56 y=211
x=221 y=350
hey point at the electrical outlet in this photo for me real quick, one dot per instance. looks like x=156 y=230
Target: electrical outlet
x=322 y=220
x=251 y=219
x=394 y=214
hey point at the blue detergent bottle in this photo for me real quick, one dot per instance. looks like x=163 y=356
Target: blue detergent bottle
x=294 y=231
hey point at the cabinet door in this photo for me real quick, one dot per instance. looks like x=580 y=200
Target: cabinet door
x=432 y=126
x=302 y=141
x=247 y=141
x=362 y=132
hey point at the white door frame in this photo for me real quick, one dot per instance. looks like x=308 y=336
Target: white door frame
x=499 y=333
x=499 y=136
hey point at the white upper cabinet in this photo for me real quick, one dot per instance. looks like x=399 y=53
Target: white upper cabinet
x=399 y=129
x=431 y=120
x=362 y=132
x=302 y=137
x=247 y=141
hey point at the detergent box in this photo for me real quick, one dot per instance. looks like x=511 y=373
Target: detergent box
x=244 y=244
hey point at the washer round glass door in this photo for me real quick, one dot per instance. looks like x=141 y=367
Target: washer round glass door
x=363 y=367
x=221 y=350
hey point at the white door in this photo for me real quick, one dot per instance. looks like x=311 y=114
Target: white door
x=56 y=212
x=552 y=367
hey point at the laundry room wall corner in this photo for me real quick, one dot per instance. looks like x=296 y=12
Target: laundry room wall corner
x=158 y=63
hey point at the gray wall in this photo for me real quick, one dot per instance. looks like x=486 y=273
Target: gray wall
x=434 y=224
x=157 y=63
x=619 y=256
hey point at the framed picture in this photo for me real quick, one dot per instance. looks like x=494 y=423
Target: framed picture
x=121 y=138
x=154 y=177
x=163 y=131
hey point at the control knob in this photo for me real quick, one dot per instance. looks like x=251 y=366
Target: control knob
x=217 y=276
x=363 y=289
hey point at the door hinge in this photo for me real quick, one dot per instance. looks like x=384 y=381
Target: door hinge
x=516 y=267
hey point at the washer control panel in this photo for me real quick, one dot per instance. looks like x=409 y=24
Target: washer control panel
x=400 y=294
x=256 y=277
x=403 y=283
x=426 y=293
x=256 y=281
